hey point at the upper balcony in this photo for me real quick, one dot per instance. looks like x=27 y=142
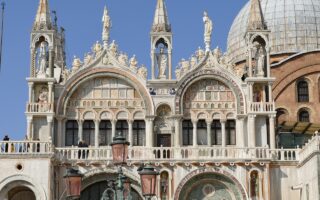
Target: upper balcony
x=39 y=108
x=261 y=108
x=158 y=155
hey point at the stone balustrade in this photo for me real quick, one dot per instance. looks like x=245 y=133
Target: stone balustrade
x=185 y=154
x=261 y=107
x=39 y=107
x=25 y=147
x=313 y=146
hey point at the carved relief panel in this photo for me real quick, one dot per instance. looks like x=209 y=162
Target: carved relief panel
x=209 y=94
x=105 y=92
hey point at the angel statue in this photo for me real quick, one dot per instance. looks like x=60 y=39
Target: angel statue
x=208 y=27
x=42 y=60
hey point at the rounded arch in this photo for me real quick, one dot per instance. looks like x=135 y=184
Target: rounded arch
x=304 y=114
x=89 y=115
x=262 y=37
x=303 y=86
x=123 y=114
x=15 y=181
x=214 y=74
x=158 y=39
x=106 y=114
x=282 y=115
x=210 y=175
x=88 y=74
x=97 y=176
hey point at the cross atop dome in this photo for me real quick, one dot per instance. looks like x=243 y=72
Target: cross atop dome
x=43 y=18
x=161 y=21
x=256 y=19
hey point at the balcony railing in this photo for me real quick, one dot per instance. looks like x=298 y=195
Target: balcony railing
x=39 y=107
x=261 y=107
x=313 y=146
x=172 y=154
x=25 y=147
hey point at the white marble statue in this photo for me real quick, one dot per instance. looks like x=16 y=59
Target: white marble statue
x=143 y=72
x=43 y=96
x=133 y=63
x=106 y=26
x=208 y=27
x=162 y=64
x=76 y=64
x=260 y=63
x=42 y=60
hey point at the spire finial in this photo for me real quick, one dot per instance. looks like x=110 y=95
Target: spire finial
x=256 y=21
x=43 y=18
x=106 y=27
x=161 y=21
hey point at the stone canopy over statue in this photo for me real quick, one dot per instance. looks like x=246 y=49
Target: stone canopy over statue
x=162 y=60
x=208 y=27
x=42 y=61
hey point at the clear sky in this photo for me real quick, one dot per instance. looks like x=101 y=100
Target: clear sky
x=131 y=21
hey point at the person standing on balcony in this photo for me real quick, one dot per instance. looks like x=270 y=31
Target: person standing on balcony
x=6 y=147
x=80 y=145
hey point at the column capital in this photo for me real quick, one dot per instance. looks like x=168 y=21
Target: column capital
x=177 y=117
x=130 y=121
x=252 y=116
x=113 y=121
x=61 y=118
x=150 y=118
x=30 y=84
x=209 y=122
x=97 y=120
x=194 y=121
x=241 y=117
x=223 y=121
x=80 y=121
x=30 y=118
x=272 y=116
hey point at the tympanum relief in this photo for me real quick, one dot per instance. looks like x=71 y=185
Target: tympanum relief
x=105 y=93
x=208 y=95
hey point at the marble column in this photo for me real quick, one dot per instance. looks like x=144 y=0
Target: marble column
x=250 y=62
x=149 y=131
x=130 y=132
x=209 y=135
x=194 y=135
x=223 y=133
x=153 y=60
x=170 y=64
x=272 y=135
x=30 y=84
x=96 y=133
x=113 y=128
x=177 y=131
x=80 y=130
x=50 y=131
x=29 y=127
x=50 y=99
x=252 y=131
x=60 y=135
x=270 y=93
x=240 y=139
x=51 y=59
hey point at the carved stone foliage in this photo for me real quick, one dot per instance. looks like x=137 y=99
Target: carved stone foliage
x=212 y=59
x=105 y=93
x=110 y=57
x=208 y=94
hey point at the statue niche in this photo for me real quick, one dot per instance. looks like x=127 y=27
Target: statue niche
x=42 y=60
x=162 y=59
x=259 y=60
x=162 y=121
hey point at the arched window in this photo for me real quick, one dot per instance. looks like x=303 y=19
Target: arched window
x=139 y=133
x=282 y=116
x=72 y=133
x=231 y=132
x=164 y=186
x=122 y=127
x=202 y=132
x=187 y=132
x=303 y=91
x=88 y=132
x=216 y=133
x=304 y=116
x=105 y=133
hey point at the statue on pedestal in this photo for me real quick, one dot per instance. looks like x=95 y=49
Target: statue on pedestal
x=42 y=61
x=162 y=64
x=208 y=26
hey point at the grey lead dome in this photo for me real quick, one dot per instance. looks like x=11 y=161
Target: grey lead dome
x=294 y=26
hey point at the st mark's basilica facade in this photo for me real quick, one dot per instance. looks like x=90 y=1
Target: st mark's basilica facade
x=214 y=127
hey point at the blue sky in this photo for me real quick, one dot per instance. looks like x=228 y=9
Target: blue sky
x=131 y=21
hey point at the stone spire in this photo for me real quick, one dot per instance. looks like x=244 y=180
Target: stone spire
x=256 y=21
x=161 y=21
x=106 y=27
x=43 y=18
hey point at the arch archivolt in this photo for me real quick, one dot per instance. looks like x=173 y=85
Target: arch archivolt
x=205 y=173
x=106 y=93
x=22 y=181
x=209 y=91
x=37 y=37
